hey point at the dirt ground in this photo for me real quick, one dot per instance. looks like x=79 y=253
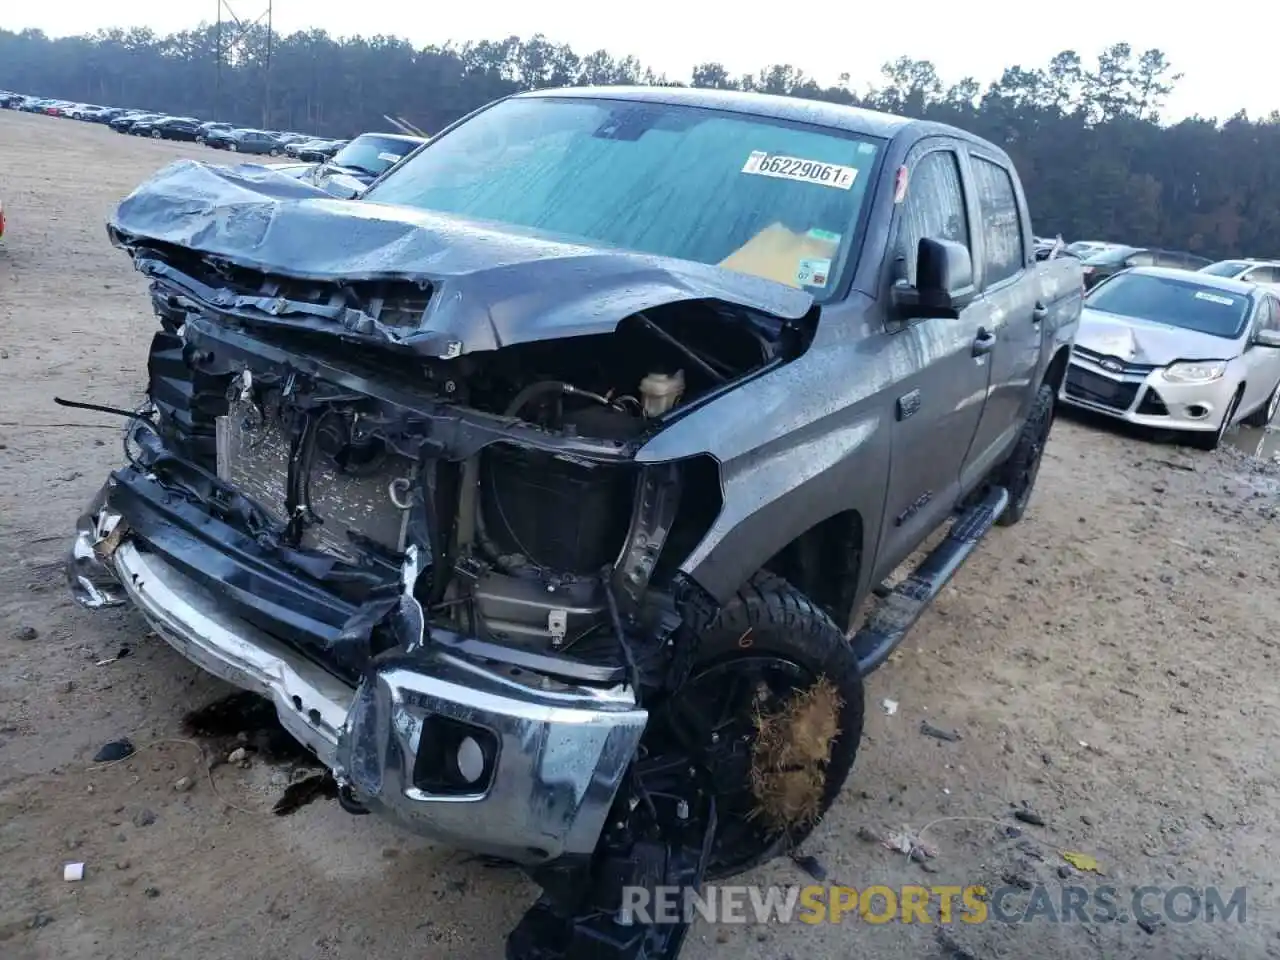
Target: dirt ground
x=1109 y=664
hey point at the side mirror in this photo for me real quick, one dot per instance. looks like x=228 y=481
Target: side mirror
x=944 y=282
x=1266 y=338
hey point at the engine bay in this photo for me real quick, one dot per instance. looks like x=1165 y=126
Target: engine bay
x=511 y=470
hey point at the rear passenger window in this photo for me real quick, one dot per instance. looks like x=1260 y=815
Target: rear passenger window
x=934 y=208
x=1263 y=275
x=1001 y=221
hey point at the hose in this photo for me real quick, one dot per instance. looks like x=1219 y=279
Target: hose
x=633 y=671
x=538 y=388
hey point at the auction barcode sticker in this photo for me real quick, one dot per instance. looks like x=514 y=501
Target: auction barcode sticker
x=1215 y=298
x=763 y=164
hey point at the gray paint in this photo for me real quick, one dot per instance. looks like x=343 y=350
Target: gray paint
x=820 y=437
x=490 y=287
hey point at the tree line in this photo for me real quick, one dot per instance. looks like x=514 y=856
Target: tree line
x=1096 y=161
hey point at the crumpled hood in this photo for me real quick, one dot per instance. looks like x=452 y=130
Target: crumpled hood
x=341 y=183
x=491 y=285
x=1139 y=341
x=335 y=181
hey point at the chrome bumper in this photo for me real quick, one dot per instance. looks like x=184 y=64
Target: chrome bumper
x=557 y=754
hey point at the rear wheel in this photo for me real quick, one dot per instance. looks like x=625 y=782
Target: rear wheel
x=1018 y=474
x=771 y=716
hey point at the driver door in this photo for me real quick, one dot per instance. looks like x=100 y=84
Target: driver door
x=937 y=406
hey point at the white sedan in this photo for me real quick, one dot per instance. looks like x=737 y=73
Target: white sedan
x=1176 y=350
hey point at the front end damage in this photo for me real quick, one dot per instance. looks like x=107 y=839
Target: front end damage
x=405 y=506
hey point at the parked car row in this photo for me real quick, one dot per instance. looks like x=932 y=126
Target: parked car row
x=341 y=167
x=1102 y=259
x=160 y=126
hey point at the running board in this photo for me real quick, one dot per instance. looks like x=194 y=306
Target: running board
x=888 y=623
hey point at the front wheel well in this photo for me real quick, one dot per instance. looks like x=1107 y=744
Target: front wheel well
x=825 y=564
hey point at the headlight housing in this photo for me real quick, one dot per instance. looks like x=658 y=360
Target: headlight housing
x=1195 y=371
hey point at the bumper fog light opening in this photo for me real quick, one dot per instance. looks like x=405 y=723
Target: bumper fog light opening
x=470 y=760
x=454 y=757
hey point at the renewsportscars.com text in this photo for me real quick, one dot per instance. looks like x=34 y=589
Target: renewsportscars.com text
x=933 y=904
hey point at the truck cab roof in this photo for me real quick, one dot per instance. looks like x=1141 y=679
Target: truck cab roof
x=836 y=116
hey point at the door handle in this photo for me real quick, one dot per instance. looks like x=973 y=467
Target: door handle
x=1039 y=313
x=983 y=343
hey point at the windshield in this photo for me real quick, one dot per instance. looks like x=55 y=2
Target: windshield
x=757 y=196
x=1225 y=268
x=1175 y=303
x=373 y=154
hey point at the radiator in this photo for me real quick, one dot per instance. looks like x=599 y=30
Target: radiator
x=253 y=457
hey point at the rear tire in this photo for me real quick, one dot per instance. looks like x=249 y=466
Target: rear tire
x=1018 y=474
x=769 y=638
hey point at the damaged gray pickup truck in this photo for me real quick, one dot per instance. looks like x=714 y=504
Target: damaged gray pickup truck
x=541 y=489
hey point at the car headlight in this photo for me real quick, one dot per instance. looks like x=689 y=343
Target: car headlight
x=1196 y=371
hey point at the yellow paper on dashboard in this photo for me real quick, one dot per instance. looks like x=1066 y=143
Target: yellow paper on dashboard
x=777 y=253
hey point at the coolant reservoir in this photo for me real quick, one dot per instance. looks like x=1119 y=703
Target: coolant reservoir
x=661 y=392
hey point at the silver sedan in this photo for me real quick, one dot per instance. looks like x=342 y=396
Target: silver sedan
x=1177 y=350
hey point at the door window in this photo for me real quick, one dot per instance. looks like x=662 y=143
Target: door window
x=1143 y=258
x=934 y=208
x=1001 y=221
x=1263 y=275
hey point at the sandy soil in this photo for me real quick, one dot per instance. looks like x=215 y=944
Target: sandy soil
x=1109 y=664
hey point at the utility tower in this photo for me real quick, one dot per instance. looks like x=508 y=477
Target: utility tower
x=231 y=37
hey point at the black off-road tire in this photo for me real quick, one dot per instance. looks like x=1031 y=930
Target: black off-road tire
x=770 y=617
x=1018 y=474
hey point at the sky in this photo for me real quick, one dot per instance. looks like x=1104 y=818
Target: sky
x=1226 y=67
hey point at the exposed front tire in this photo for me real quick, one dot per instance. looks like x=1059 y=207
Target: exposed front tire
x=275 y=153
x=1018 y=474
x=155 y=134
x=772 y=713
x=1265 y=413
x=233 y=148
x=1211 y=441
